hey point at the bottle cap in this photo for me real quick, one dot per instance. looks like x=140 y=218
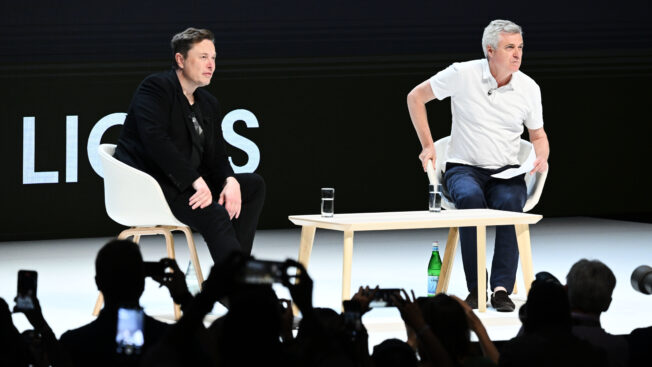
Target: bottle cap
x=435 y=244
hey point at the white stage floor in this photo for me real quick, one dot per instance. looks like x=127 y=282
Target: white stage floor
x=391 y=259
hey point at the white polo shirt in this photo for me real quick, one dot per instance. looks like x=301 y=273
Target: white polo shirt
x=487 y=121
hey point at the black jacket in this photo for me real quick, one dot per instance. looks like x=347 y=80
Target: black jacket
x=94 y=344
x=157 y=136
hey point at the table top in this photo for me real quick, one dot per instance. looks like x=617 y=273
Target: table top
x=415 y=220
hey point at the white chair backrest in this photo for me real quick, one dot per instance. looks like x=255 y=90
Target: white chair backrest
x=132 y=197
x=534 y=182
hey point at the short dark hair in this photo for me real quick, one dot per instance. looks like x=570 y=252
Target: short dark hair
x=119 y=271
x=182 y=42
x=547 y=309
x=447 y=320
x=590 y=286
x=394 y=352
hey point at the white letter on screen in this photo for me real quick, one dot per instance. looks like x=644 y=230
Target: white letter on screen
x=71 y=148
x=95 y=137
x=30 y=176
x=241 y=142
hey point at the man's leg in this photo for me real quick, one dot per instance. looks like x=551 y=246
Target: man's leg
x=252 y=188
x=505 y=195
x=212 y=222
x=465 y=188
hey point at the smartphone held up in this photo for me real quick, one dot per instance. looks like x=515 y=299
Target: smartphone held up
x=26 y=292
x=263 y=272
x=383 y=297
x=130 y=337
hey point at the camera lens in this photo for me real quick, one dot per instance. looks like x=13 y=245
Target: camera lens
x=642 y=279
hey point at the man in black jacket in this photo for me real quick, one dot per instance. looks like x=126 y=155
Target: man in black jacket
x=172 y=132
x=119 y=275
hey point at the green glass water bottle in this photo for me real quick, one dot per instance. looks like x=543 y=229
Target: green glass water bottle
x=434 y=267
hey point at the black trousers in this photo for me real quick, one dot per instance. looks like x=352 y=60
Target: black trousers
x=223 y=235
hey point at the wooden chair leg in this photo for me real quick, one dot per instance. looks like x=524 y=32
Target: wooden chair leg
x=193 y=255
x=169 y=242
x=98 y=304
x=126 y=234
x=515 y=290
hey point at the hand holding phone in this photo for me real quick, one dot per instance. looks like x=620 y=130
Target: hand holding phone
x=157 y=270
x=167 y=273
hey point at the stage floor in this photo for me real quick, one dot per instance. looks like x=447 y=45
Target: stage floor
x=391 y=259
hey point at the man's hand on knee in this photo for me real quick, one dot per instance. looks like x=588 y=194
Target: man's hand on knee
x=230 y=197
x=202 y=197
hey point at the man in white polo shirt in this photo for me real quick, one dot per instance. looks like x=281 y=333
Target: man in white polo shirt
x=491 y=101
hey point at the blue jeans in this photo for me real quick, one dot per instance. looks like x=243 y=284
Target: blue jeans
x=473 y=188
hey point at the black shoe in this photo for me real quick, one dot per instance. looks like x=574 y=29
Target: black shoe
x=472 y=299
x=501 y=302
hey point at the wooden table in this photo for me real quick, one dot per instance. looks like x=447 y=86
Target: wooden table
x=453 y=219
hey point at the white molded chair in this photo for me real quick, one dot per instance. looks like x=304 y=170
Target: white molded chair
x=134 y=199
x=533 y=182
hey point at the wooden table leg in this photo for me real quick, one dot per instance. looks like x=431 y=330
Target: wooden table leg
x=305 y=248
x=481 y=259
x=525 y=253
x=449 y=256
x=347 y=255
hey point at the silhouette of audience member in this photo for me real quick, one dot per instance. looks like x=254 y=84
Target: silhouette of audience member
x=188 y=343
x=452 y=320
x=14 y=350
x=250 y=332
x=251 y=329
x=119 y=275
x=394 y=353
x=428 y=345
x=35 y=347
x=640 y=346
x=590 y=285
x=547 y=339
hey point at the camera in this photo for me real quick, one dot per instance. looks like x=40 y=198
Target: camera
x=26 y=292
x=263 y=272
x=642 y=279
x=154 y=269
x=383 y=297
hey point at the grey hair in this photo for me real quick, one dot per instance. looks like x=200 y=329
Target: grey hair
x=491 y=34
